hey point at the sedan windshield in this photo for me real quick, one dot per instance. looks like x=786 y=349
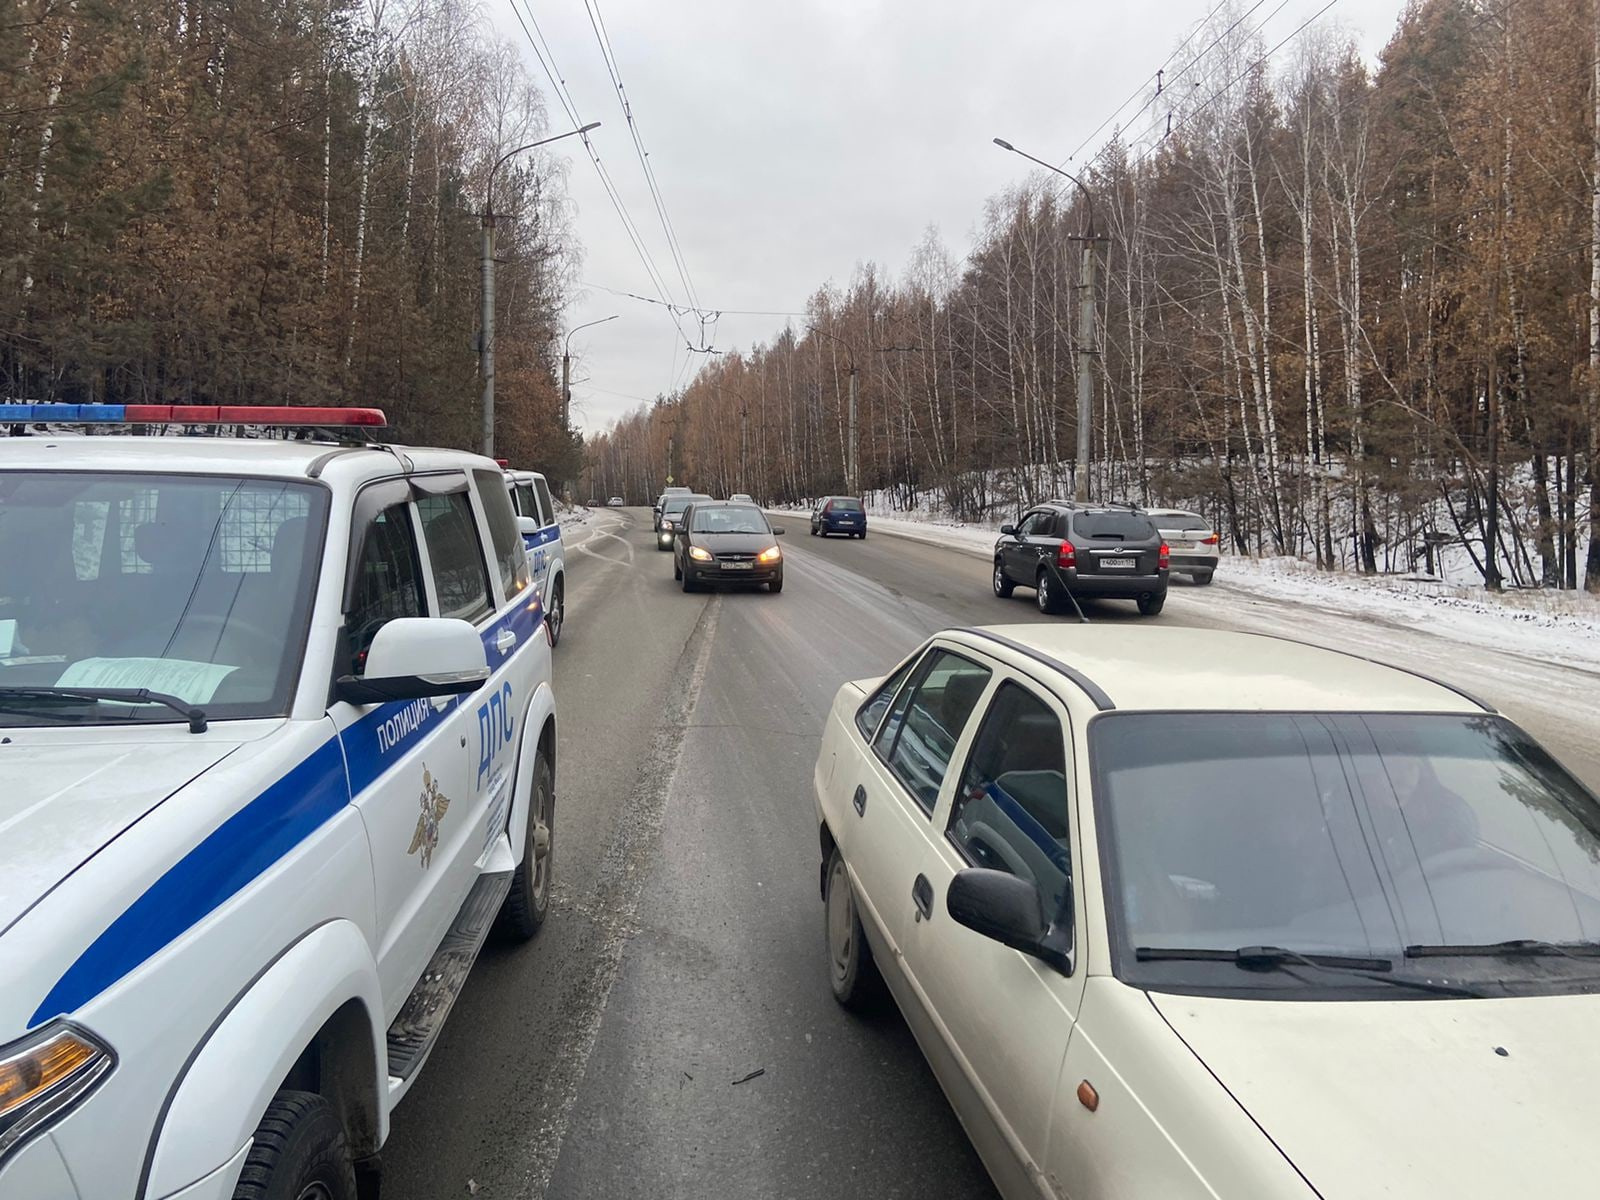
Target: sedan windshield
x=195 y=587
x=1407 y=838
x=728 y=518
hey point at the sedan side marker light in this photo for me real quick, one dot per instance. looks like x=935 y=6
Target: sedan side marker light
x=1087 y=1096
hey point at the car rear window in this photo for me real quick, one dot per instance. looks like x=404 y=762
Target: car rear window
x=1114 y=526
x=676 y=504
x=845 y=505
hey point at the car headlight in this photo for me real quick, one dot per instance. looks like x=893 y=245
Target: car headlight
x=44 y=1075
x=699 y=553
x=769 y=555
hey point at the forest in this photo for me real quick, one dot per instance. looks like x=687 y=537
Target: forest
x=279 y=202
x=1350 y=311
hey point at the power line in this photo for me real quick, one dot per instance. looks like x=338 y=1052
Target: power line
x=1154 y=75
x=541 y=50
x=614 y=69
x=714 y=312
x=1225 y=88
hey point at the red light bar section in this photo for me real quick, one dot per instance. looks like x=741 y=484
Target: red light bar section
x=249 y=414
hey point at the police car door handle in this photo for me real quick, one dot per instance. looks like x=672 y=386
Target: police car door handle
x=504 y=641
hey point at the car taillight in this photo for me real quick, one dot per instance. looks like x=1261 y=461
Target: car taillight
x=1165 y=559
x=1066 y=556
x=827 y=508
x=1209 y=540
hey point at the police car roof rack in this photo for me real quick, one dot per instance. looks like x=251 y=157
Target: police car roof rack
x=357 y=424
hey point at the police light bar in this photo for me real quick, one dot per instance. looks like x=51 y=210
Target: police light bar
x=189 y=414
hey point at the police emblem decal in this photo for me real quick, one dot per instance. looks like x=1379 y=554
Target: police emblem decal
x=434 y=805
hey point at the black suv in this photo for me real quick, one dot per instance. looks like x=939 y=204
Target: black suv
x=1064 y=550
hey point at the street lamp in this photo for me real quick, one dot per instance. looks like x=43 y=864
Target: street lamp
x=566 y=370
x=486 y=332
x=1085 y=348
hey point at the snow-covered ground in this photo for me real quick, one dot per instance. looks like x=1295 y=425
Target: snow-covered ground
x=1556 y=627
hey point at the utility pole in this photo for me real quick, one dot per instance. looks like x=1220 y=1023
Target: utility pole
x=1086 y=310
x=853 y=445
x=486 y=266
x=486 y=333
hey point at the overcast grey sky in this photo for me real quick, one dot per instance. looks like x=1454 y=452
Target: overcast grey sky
x=793 y=141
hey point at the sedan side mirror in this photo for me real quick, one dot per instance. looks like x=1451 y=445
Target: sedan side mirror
x=1008 y=531
x=413 y=658
x=1004 y=907
x=777 y=531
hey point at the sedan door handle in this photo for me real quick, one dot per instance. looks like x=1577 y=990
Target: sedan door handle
x=922 y=896
x=860 y=800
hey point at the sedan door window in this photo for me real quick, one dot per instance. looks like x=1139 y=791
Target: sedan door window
x=1010 y=812
x=934 y=717
x=871 y=713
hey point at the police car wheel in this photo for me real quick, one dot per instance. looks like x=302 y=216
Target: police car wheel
x=557 y=615
x=299 y=1152
x=528 y=902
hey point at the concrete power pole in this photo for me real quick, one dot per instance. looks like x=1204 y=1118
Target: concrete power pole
x=1086 y=308
x=851 y=481
x=566 y=391
x=486 y=334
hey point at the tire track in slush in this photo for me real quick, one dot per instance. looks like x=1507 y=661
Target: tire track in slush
x=623 y=869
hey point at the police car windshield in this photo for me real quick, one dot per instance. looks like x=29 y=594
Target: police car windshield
x=197 y=587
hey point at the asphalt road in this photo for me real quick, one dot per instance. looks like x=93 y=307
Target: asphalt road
x=670 y=1032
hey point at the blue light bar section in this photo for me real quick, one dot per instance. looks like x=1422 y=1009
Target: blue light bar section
x=57 y=414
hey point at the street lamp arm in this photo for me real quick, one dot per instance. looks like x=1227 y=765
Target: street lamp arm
x=587 y=324
x=488 y=198
x=1083 y=187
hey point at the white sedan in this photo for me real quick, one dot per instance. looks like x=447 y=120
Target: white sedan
x=1267 y=921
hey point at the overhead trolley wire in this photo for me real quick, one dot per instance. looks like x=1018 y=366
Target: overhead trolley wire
x=541 y=50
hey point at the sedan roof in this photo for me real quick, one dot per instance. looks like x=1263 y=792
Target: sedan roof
x=1204 y=669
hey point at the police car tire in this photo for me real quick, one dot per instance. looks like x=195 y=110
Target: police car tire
x=523 y=910
x=300 y=1142
x=556 y=618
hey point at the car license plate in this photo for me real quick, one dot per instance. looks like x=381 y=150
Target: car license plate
x=1180 y=545
x=1117 y=564
x=737 y=566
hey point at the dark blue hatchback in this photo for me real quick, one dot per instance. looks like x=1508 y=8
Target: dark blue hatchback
x=839 y=514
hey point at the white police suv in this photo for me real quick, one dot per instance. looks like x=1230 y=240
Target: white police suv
x=541 y=535
x=277 y=749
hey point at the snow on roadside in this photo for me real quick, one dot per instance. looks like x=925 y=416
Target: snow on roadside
x=1557 y=627
x=568 y=516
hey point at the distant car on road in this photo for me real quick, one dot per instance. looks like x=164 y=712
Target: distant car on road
x=1065 y=550
x=1192 y=541
x=740 y=498
x=661 y=501
x=614 y=502
x=839 y=514
x=671 y=509
x=1177 y=896
x=723 y=542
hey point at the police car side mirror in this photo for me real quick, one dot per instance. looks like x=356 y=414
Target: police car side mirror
x=412 y=658
x=527 y=526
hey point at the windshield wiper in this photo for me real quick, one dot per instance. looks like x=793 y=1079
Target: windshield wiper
x=195 y=716
x=1277 y=958
x=1516 y=947
x=1260 y=956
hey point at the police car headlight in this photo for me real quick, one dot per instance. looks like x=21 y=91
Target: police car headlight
x=43 y=1075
